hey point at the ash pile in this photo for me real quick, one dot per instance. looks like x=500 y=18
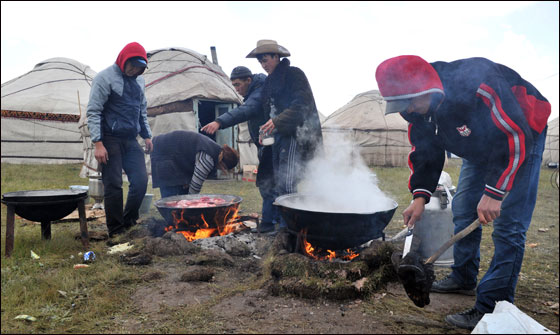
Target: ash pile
x=239 y=244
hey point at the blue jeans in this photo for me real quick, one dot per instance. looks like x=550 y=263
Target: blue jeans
x=127 y=155
x=499 y=282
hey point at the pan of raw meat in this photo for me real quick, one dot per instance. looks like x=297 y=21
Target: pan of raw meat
x=194 y=210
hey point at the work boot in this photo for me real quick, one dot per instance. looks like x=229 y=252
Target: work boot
x=466 y=320
x=448 y=285
x=266 y=227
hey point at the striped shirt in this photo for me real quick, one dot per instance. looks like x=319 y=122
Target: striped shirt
x=203 y=166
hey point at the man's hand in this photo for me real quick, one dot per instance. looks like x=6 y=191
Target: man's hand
x=211 y=128
x=414 y=212
x=488 y=209
x=268 y=127
x=149 y=145
x=100 y=153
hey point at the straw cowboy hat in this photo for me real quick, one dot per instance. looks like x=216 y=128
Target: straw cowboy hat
x=268 y=46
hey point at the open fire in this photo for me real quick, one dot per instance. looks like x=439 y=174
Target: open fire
x=320 y=254
x=200 y=228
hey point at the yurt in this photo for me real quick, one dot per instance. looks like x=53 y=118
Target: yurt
x=382 y=140
x=550 y=154
x=41 y=110
x=185 y=91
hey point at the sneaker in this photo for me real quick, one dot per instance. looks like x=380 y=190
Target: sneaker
x=466 y=320
x=447 y=285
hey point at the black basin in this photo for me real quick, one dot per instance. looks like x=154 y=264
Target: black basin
x=44 y=205
x=333 y=230
x=191 y=218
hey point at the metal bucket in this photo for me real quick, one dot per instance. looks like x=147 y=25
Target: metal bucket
x=146 y=203
x=436 y=227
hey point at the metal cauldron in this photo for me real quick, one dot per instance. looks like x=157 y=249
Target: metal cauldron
x=330 y=229
x=214 y=216
x=44 y=205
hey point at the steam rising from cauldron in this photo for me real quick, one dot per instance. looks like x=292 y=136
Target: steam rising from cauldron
x=337 y=180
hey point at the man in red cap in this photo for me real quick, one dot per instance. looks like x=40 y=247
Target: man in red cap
x=116 y=115
x=495 y=120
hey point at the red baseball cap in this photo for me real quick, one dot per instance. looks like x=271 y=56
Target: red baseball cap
x=402 y=78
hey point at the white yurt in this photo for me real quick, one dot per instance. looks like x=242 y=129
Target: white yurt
x=550 y=154
x=382 y=140
x=41 y=111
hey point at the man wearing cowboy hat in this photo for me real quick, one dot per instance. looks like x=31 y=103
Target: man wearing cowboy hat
x=495 y=120
x=250 y=87
x=294 y=120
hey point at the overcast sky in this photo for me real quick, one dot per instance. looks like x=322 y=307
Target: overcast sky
x=337 y=44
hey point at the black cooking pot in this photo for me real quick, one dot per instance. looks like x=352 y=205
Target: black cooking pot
x=215 y=216
x=44 y=205
x=332 y=230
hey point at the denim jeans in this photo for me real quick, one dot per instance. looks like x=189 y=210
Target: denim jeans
x=127 y=155
x=509 y=229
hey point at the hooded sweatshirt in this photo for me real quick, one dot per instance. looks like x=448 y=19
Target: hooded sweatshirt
x=117 y=104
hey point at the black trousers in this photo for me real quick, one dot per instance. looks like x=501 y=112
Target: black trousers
x=127 y=155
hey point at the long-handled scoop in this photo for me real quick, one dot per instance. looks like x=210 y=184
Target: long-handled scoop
x=417 y=275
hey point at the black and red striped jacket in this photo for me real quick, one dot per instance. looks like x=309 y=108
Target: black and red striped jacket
x=490 y=115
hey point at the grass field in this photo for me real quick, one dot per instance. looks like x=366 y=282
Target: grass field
x=65 y=300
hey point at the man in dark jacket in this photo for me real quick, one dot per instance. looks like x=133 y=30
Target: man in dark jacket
x=250 y=86
x=496 y=121
x=116 y=115
x=182 y=160
x=294 y=120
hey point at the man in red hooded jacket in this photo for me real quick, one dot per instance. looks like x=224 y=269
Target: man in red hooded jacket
x=487 y=114
x=116 y=115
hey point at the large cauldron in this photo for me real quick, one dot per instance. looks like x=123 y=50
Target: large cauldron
x=44 y=205
x=330 y=229
x=215 y=216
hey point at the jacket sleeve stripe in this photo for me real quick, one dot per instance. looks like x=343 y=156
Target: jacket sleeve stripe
x=495 y=190
x=516 y=137
x=410 y=166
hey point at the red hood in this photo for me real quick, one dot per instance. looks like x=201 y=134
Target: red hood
x=131 y=50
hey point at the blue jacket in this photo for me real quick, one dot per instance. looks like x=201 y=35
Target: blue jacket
x=250 y=111
x=117 y=106
x=490 y=115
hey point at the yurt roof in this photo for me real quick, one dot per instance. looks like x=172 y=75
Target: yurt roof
x=177 y=74
x=366 y=111
x=51 y=87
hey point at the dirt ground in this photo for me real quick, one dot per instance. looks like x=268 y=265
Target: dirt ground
x=236 y=298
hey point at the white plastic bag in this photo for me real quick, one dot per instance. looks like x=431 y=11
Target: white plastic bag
x=508 y=319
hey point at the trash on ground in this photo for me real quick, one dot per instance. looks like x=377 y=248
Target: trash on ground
x=80 y=266
x=508 y=319
x=120 y=248
x=89 y=257
x=25 y=317
x=63 y=293
x=34 y=255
